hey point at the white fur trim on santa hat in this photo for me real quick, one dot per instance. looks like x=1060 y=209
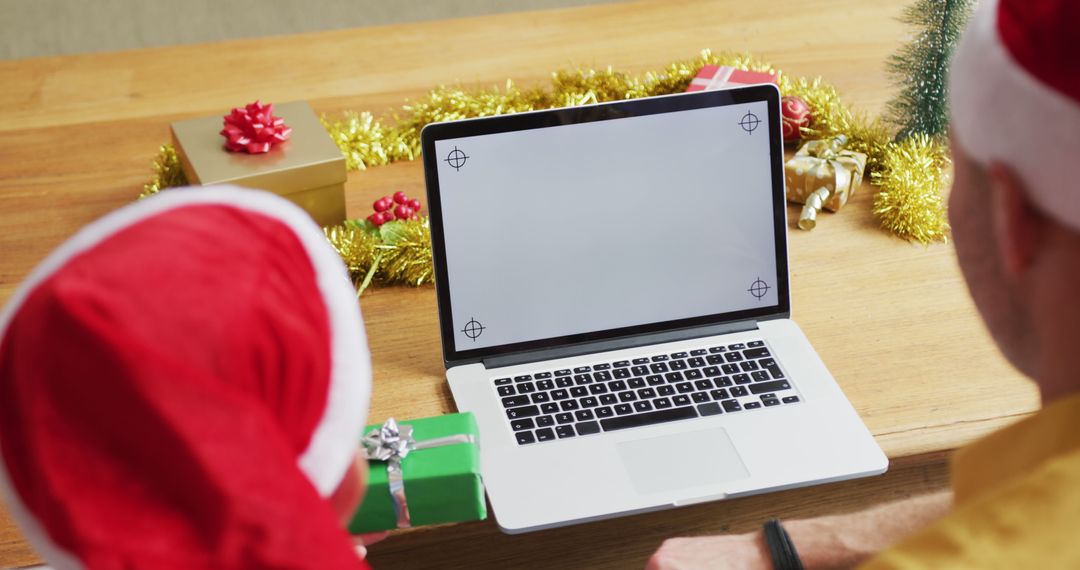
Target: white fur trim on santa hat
x=1001 y=113
x=334 y=442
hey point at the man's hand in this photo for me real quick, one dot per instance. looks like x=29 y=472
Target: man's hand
x=737 y=551
x=839 y=541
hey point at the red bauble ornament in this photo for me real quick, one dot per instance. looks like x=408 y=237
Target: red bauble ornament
x=796 y=114
x=254 y=129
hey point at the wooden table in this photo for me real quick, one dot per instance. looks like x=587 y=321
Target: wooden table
x=892 y=320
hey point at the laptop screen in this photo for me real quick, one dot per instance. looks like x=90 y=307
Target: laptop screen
x=625 y=219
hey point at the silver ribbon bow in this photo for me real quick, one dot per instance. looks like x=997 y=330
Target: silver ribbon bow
x=392 y=443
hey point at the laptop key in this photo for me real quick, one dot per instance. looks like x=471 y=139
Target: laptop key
x=665 y=390
x=549 y=408
x=608 y=399
x=540 y=397
x=564 y=382
x=739 y=391
x=646 y=393
x=627 y=396
x=506 y=391
x=502 y=381
x=684 y=388
x=681 y=400
x=545 y=385
x=771 y=402
x=564 y=431
x=526 y=387
x=736 y=346
x=654 y=380
x=545 y=434
x=602 y=376
x=642 y=406
x=525 y=437
x=730 y=369
x=623 y=409
x=563 y=372
x=583 y=379
x=755 y=343
x=720 y=394
x=583 y=415
x=775 y=371
x=597 y=389
x=774 y=386
x=659 y=357
x=712 y=372
x=564 y=417
x=658 y=367
x=696 y=362
x=545 y=421
x=542 y=375
x=790 y=399
x=603 y=412
x=604 y=366
x=513 y=401
x=673 y=377
x=709 y=409
x=717 y=349
x=699 y=352
x=722 y=382
x=692 y=374
x=662 y=403
x=621 y=373
x=699 y=397
x=703 y=385
x=616 y=385
x=731 y=406
x=579 y=391
x=733 y=357
x=522 y=412
x=560 y=394
x=742 y=379
x=640 y=370
x=677 y=365
x=587 y=428
x=678 y=355
x=589 y=402
x=748 y=366
x=521 y=423
x=650 y=418
x=640 y=361
x=569 y=405
x=621 y=364
x=524 y=378
x=756 y=352
x=715 y=359
x=752 y=405
x=759 y=375
x=636 y=383
x=582 y=369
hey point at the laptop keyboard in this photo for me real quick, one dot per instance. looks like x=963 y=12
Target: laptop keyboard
x=621 y=394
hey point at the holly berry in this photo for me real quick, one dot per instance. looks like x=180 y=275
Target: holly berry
x=414 y=204
x=378 y=219
x=382 y=204
x=400 y=197
x=403 y=212
x=395 y=207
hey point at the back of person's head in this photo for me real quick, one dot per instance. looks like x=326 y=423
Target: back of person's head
x=182 y=385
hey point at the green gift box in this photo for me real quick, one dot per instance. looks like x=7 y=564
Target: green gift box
x=440 y=473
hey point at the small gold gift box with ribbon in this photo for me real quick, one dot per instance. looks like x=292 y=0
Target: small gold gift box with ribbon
x=823 y=175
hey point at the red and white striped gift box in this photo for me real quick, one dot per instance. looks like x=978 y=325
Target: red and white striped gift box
x=724 y=76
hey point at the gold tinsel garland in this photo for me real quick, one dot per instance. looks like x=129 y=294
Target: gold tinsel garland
x=909 y=173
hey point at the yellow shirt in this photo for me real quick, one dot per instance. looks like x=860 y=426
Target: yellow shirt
x=1017 y=501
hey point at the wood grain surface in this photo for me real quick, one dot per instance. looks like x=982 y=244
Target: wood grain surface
x=892 y=320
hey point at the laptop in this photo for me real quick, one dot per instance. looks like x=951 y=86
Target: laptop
x=614 y=304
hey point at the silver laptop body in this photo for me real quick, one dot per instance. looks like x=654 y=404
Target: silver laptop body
x=614 y=304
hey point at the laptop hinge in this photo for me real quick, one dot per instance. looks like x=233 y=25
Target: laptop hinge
x=616 y=344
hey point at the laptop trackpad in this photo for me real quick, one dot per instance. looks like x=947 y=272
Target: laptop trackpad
x=681 y=461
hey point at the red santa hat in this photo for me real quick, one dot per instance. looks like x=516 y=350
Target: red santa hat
x=1015 y=96
x=183 y=383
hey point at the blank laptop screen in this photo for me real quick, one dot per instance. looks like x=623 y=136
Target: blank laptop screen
x=579 y=228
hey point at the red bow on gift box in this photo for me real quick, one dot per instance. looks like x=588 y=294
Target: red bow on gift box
x=254 y=129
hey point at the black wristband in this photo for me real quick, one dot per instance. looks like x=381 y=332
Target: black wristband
x=781 y=549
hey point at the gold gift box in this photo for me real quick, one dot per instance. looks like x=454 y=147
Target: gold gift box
x=308 y=169
x=822 y=174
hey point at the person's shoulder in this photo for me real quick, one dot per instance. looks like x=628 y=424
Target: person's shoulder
x=1029 y=522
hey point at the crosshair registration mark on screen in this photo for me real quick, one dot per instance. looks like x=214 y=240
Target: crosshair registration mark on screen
x=456 y=159
x=473 y=329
